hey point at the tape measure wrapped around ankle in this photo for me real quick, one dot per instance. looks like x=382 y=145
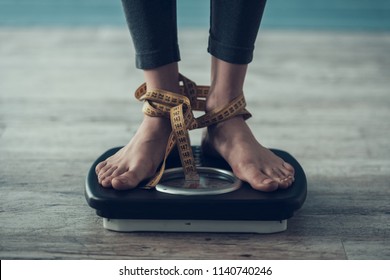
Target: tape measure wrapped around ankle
x=179 y=109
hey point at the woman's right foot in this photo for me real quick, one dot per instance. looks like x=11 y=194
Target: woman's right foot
x=139 y=159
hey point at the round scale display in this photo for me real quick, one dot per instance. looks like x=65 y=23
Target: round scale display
x=212 y=181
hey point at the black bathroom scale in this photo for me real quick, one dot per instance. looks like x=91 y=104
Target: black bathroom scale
x=230 y=206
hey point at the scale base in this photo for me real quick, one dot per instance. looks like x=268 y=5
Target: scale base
x=136 y=225
x=171 y=208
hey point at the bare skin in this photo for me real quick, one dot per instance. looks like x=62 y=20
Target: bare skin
x=140 y=158
x=249 y=160
x=232 y=139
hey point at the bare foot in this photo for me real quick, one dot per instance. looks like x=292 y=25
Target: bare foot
x=249 y=160
x=139 y=159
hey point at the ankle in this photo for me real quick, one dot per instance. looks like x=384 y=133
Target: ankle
x=220 y=98
x=165 y=78
x=158 y=124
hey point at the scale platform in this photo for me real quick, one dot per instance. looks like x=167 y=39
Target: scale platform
x=238 y=208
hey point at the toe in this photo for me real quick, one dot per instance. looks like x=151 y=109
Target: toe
x=106 y=182
x=265 y=185
x=288 y=169
x=285 y=182
x=100 y=166
x=282 y=176
x=107 y=172
x=110 y=175
x=276 y=174
x=104 y=169
x=125 y=181
x=110 y=171
x=282 y=173
x=258 y=179
x=117 y=172
x=104 y=176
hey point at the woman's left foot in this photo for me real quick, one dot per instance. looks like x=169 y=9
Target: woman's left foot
x=249 y=160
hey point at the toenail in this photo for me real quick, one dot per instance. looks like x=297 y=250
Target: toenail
x=121 y=180
x=268 y=181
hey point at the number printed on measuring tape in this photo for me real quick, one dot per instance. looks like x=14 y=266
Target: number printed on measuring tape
x=242 y=270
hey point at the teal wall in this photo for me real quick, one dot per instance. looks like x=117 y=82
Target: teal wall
x=291 y=14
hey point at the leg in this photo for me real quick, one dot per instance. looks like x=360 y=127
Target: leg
x=140 y=158
x=157 y=53
x=153 y=28
x=233 y=139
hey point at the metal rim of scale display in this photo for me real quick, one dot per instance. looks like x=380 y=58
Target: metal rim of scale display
x=213 y=181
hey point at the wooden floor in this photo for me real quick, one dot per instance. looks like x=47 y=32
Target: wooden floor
x=66 y=96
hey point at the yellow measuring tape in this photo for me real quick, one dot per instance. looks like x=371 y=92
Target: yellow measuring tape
x=179 y=109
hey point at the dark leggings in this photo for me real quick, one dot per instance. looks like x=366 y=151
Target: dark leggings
x=234 y=25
